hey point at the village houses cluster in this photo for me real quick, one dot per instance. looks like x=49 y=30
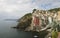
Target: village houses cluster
x=43 y=19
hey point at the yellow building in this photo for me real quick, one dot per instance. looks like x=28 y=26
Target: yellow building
x=58 y=16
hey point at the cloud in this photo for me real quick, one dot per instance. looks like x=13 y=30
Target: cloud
x=17 y=8
x=48 y=4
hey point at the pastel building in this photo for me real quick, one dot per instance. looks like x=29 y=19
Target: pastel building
x=37 y=17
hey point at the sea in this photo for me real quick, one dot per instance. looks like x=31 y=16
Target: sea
x=7 y=32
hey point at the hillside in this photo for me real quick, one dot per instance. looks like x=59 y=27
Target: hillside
x=55 y=9
x=25 y=21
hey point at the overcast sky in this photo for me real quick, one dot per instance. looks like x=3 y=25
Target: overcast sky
x=17 y=8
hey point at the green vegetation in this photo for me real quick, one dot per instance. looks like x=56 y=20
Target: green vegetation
x=54 y=34
x=55 y=9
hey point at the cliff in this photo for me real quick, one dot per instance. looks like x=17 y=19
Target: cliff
x=25 y=21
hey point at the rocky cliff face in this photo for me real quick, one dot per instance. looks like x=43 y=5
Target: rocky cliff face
x=25 y=21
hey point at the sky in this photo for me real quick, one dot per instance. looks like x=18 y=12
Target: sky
x=18 y=8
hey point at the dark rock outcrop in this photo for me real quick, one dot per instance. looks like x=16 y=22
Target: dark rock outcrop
x=24 y=21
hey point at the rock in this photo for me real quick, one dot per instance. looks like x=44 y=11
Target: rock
x=25 y=21
x=15 y=27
